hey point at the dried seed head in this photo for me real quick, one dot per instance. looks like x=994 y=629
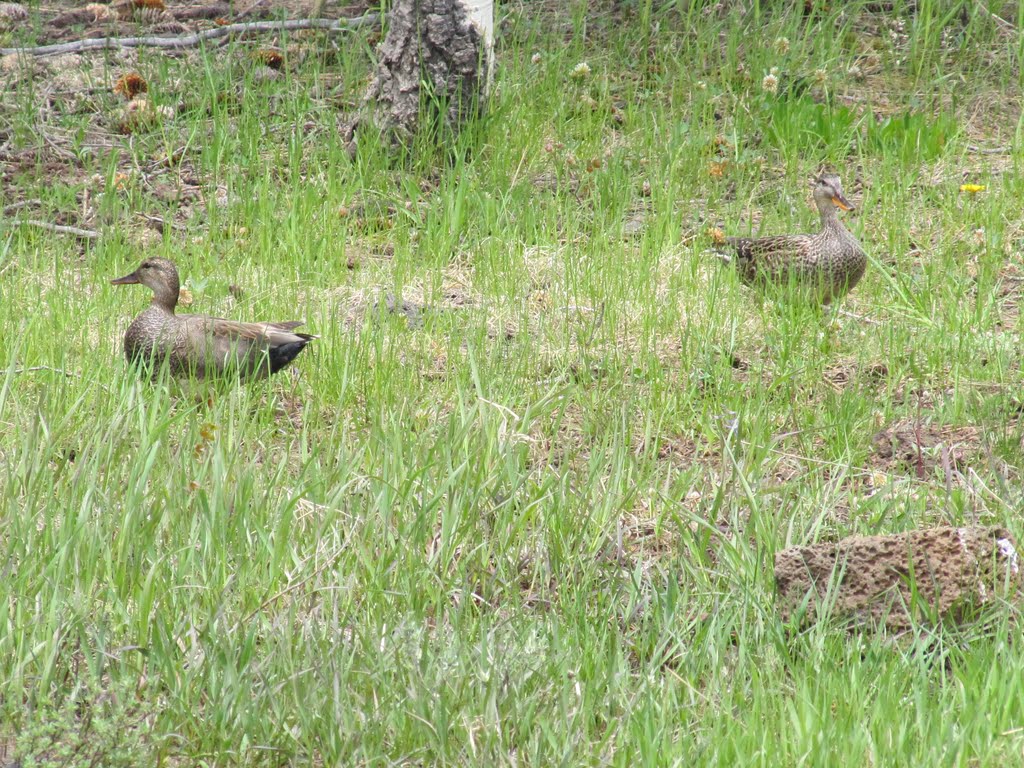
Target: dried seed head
x=717 y=168
x=269 y=57
x=131 y=85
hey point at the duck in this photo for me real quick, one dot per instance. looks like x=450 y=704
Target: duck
x=826 y=265
x=200 y=346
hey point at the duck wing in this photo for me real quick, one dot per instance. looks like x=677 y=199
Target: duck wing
x=217 y=345
x=767 y=256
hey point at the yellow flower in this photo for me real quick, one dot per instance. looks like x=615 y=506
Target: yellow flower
x=972 y=188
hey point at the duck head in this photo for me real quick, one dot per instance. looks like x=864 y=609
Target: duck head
x=160 y=276
x=828 y=193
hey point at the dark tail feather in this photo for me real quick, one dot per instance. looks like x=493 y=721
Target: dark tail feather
x=283 y=354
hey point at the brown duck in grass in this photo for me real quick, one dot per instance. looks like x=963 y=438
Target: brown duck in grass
x=826 y=265
x=202 y=346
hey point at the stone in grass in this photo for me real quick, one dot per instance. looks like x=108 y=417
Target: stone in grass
x=949 y=574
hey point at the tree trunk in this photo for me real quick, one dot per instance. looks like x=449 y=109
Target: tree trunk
x=434 y=70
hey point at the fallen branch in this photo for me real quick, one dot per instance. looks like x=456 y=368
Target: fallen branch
x=988 y=150
x=189 y=41
x=86 y=234
x=48 y=368
x=20 y=204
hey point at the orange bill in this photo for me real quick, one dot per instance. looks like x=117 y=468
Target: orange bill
x=843 y=203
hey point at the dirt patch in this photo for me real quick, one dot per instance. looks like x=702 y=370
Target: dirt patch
x=417 y=303
x=920 y=448
x=842 y=375
x=85 y=83
x=1008 y=289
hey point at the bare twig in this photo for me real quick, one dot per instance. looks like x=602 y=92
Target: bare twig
x=67 y=153
x=858 y=318
x=20 y=204
x=86 y=234
x=48 y=368
x=988 y=150
x=917 y=439
x=189 y=41
x=999 y=20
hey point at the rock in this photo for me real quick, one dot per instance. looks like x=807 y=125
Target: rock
x=634 y=226
x=900 y=579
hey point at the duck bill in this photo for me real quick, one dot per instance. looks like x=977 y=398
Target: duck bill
x=131 y=279
x=843 y=203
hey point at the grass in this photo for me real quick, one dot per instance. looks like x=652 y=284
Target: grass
x=530 y=518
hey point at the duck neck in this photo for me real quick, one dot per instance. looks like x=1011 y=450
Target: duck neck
x=829 y=215
x=165 y=297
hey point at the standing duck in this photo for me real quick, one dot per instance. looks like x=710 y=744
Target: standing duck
x=828 y=264
x=198 y=345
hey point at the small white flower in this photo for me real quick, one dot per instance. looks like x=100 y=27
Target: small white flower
x=536 y=58
x=770 y=84
x=581 y=71
x=701 y=85
x=782 y=44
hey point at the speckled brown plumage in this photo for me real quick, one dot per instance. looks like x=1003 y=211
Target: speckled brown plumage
x=827 y=265
x=199 y=345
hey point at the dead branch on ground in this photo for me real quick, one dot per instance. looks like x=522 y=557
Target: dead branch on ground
x=85 y=234
x=191 y=40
